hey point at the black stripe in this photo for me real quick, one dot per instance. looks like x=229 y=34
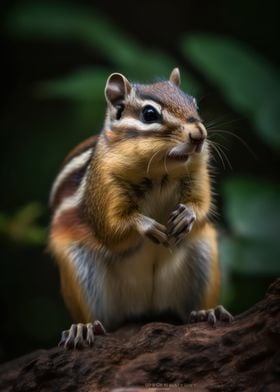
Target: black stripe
x=131 y=133
x=151 y=97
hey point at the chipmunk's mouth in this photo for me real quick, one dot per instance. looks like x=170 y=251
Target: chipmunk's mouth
x=178 y=157
x=182 y=152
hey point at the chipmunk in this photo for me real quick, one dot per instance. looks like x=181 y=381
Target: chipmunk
x=130 y=229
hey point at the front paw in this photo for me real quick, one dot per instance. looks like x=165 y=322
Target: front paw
x=155 y=231
x=180 y=222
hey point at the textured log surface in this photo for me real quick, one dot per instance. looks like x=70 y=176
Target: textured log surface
x=242 y=356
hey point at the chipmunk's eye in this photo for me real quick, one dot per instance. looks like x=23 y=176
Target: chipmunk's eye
x=120 y=108
x=150 y=114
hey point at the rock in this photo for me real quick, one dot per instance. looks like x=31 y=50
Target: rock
x=241 y=356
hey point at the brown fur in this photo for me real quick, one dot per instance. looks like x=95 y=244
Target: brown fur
x=70 y=286
x=171 y=97
x=212 y=294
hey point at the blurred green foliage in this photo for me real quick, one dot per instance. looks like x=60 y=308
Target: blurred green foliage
x=253 y=210
x=246 y=79
x=247 y=82
x=60 y=21
x=22 y=226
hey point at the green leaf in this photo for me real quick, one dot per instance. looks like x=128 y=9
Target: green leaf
x=248 y=81
x=3 y=222
x=83 y=85
x=22 y=226
x=252 y=257
x=267 y=119
x=64 y=21
x=252 y=208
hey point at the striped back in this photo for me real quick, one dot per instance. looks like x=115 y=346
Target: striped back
x=66 y=186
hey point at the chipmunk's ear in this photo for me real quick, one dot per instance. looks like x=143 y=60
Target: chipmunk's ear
x=117 y=88
x=175 y=77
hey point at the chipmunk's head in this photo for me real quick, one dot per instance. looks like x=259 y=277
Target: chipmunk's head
x=155 y=121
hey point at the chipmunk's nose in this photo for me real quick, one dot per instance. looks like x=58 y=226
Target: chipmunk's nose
x=197 y=136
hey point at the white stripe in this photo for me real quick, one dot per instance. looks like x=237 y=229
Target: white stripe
x=131 y=122
x=75 y=164
x=171 y=119
x=73 y=200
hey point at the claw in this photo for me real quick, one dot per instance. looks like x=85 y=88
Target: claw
x=81 y=335
x=64 y=336
x=222 y=314
x=79 y=339
x=71 y=337
x=90 y=334
x=155 y=231
x=180 y=222
x=211 y=315
x=211 y=318
x=98 y=328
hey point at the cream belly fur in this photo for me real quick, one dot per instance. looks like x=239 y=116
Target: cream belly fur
x=150 y=280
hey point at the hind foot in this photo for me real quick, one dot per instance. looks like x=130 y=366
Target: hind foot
x=81 y=335
x=211 y=315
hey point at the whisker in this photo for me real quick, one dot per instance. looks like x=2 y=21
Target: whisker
x=220 y=122
x=150 y=161
x=218 y=153
x=164 y=162
x=221 y=148
x=219 y=144
x=225 y=156
x=242 y=141
x=171 y=139
x=190 y=181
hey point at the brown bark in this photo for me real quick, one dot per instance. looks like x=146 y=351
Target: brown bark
x=242 y=356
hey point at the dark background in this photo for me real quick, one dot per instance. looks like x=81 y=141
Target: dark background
x=42 y=118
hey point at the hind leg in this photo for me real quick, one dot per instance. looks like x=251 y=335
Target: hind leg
x=210 y=310
x=82 y=334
